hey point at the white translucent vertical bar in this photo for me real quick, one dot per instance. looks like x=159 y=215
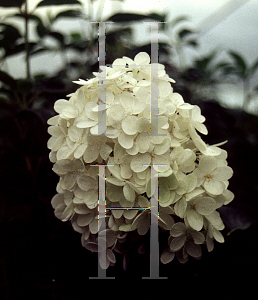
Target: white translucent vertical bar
x=102 y=80
x=154 y=227
x=154 y=78
x=102 y=246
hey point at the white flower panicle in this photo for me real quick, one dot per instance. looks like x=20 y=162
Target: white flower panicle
x=193 y=176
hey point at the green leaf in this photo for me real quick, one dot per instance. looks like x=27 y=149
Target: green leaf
x=203 y=64
x=58 y=2
x=68 y=14
x=128 y=17
x=8 y=35
x=41 y=29
x=184 y=33
x=7 y=79
x=11 y=3
x=58 y=36
x=178 y=20
x=30 y=17
x=20 y=48
x=192 y=43
x=240 y=63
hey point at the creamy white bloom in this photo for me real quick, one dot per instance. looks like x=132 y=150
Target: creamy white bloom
x=114 y=127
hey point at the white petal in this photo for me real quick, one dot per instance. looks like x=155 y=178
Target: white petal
x=143 y=125
x=87 y=123
x=129 y=125
x=129 y=193
x=165 y=221
x=53 y=121
x=180 y=207
x=205 y=206
x=60 y=105
x=161 y=163
x=105 y=150
x=126 y=141
x=126 y=171
x=143 y=142
x=193 y=249
x=54 y=131
x=111 y=256
x=110 y=237
x=201 y=128
x=91 y=197
x=133 y=150
x=209 y=243
x=196 y=114
x=214 y=187
x=130 y=213
x=143 y=202
x=86 y=182
x=57 y=200
x=75 y=133
x=104 y=261
x=142 y=58
x=215 y=220
x=164 y=192
x=229 y=196
x=126 y=99
x=80 y=151
x=115 y=114
x=198 y=237
x=125 y=227
x=117 y=213
x=177 y=99
x=207 y=164
x=218 y=236
x=94 y=226
x=55 y=143
x=91 y=154
x=93 y=247
x=194 y=219
x=140 y=162
x=163 y=147
x=178 y=229
x=70 y=112
x=177 y=243
x=84 y=220
x=164 y=88
x=144 y=225
x=167 y=256
x=191 y=181
x=222 y=173
x=138 y=107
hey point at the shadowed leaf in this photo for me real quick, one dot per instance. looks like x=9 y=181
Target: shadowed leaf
x=184 y=33
x=135 y=17
x=11 y=3
x=240 y=63
x=8 y=35
x=7 y=79
x=69 y=14
x=57 y=2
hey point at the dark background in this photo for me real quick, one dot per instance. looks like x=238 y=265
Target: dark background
x=42 y=257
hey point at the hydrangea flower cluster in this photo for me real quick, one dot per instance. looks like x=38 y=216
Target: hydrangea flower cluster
x=193 y=176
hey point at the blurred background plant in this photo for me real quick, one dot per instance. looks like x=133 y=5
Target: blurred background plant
x=33 y=242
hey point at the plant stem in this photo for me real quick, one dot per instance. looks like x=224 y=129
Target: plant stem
x=27 y=48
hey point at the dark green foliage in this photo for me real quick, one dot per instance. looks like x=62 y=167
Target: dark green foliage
x=11 y=3
x=58 y=2
x=127 y=17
